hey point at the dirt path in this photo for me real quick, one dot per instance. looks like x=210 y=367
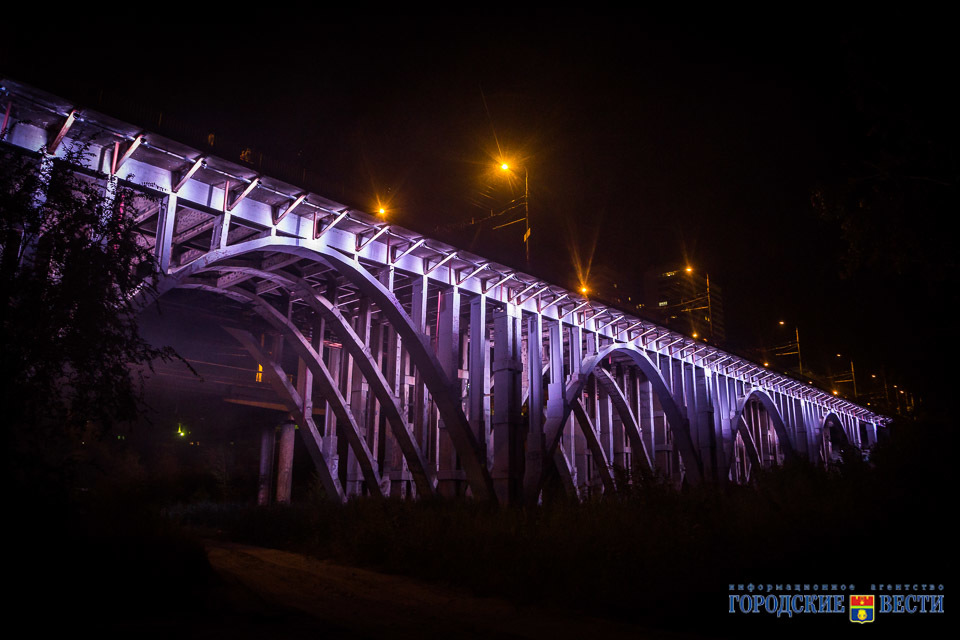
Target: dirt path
x=289 y=594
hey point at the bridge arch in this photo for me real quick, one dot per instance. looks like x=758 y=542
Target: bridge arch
x=834 y=441
x=742 y=429
x=553 y=427
x=417 y=345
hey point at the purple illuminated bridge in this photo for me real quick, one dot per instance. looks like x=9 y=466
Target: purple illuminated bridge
x=413 y=368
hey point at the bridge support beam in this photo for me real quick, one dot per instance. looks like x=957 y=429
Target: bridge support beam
x=268 y=439
x=285 y=462
x=507 y=472
x=479 y=372
x=451 y=480
x=534 y=463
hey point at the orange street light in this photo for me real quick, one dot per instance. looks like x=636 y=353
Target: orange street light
x=526 y=208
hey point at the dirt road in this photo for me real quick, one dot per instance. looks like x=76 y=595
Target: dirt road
x=289 y=595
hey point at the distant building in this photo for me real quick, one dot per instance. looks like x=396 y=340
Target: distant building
x=685 y=300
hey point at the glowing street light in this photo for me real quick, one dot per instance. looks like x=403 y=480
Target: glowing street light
x=792 y=344
x=526 y=208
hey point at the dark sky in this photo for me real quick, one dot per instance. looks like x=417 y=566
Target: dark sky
x=646 y=141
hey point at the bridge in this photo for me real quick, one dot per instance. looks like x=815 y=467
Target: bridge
x=413 y=368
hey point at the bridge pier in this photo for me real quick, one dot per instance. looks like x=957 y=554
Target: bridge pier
x=268 y=438
x=507 y=422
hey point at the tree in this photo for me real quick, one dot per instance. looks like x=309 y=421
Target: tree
x=71 y=261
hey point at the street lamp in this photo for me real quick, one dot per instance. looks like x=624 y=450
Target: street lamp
x=526 y=208
x=853 y=377
x=790 y=345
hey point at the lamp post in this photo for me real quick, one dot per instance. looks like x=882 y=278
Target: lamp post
x=789 y=345
x=853 y=377
x=526 y=209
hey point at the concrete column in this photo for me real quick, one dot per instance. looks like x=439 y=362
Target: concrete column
x=449 y=479
x=421 y=418
x=618 y=432
x=534 y=462
x=358 y=399
x=479 y=372
x=166 y=223
x=285 y=462
x=507 y=432
x=372 y=411
x=395 y=466
x=330 y=439
x=268 y=438
x=704 y=418
x=647 y=418
x=575 y=442
x=555 y=390
x=221 y=227
x=605 y=422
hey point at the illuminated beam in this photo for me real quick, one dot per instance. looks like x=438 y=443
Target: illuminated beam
x=516 y=297
x=573 y=309
x=552 y=302
x=473 y=273
x=194 y=231
x=630 y=328
x=71 y=118
x=293 y=205
x=146 y=215
x=671 y=343
x=201 y=161
x=362 y=243
x=412 y=246
x=615 y=319
x=250 y=187
x=6 y=119
x=126 y=154
x=498 y=282
x=317 y=232
x=440 y=263
x=533 y=295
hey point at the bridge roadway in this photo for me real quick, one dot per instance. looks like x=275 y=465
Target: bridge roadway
x=438 y=371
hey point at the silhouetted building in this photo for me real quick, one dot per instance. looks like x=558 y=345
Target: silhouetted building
x=685 y=300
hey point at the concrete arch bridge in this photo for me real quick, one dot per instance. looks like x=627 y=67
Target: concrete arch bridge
x=437 y=371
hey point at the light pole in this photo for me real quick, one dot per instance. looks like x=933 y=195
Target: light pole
x=792 y=344
x=526 y=209
x=853 y=377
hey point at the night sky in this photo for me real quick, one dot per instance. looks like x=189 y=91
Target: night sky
x=646 y=140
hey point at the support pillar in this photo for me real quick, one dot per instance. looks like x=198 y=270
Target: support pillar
x=285 y=462
x=450 y=481
x=479 y=368
x=534 y=462
x=268 y=439
x=166 y=222
x=507 y=469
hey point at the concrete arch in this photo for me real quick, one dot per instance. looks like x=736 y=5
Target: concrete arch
x=593 y=443
x=313 y=440
x=678 y=423
x=741 y=428
x=613 y=390
x=321 y=375
x=831 y=426
x=423 y=476
x=434 y=378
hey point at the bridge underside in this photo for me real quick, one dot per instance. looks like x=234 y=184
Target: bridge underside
x=413 y=368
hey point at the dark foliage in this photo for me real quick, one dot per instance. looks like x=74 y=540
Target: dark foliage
x=654 y=555
x=70 y=266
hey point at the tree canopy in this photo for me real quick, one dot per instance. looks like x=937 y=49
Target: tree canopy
x=71 y=260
